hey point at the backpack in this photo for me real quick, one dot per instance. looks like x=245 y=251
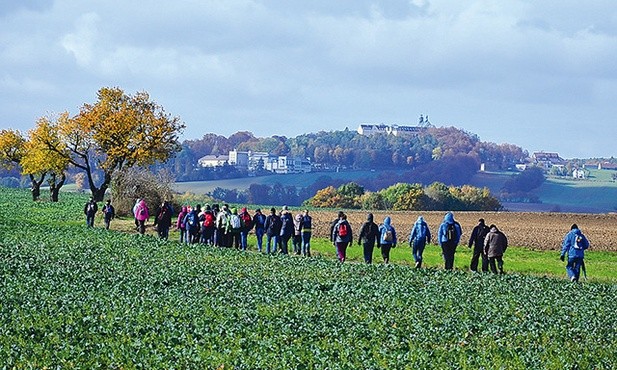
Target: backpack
x=247 y=222
x=90 y=208
x=234 y=222
x=343 y=229
x=191 y=220
x=450 y=232
x=208 y=220
x=275 y=221
x=388 y=237
x=578 y=242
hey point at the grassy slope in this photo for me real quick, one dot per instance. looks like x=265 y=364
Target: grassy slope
x=73 y=297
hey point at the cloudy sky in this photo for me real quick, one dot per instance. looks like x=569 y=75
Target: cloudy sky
x=539 y=74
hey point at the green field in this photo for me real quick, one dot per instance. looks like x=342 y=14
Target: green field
x=73 y=297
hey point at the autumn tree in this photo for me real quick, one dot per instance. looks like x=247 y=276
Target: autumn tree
x=117 y=132
x=12 y=153
x=39 y=157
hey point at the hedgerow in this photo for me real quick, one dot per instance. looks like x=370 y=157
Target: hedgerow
x=73 y=297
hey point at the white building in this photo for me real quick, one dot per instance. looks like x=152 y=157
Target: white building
x=251 y=161
x=213 y=160
x=396 y=130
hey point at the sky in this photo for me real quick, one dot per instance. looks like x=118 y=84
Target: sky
x=538 y=74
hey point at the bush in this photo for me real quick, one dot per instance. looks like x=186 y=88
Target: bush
x=135 y=183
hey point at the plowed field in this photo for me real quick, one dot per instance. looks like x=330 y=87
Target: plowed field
x=533 y=230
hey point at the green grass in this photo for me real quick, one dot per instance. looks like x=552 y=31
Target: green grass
x=79 y=298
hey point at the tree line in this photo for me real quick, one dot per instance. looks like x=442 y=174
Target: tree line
x=348 y=149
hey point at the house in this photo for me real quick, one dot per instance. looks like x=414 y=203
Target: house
x=578 y=173
x=607 y=166
x=213 y=160
x=548 y=160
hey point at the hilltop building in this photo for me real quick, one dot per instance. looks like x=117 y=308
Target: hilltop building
x=396 y=130
x=253 y=161
x=547 y=160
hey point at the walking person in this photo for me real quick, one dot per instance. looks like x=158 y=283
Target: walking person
x=259 y=221
x=419 y=237
x=574 y=245
x=306 y=230
x=477 y=241
x=273 y=228
x=387 y=239
x=142 y=214
x=109 y=213
x=247 y=225
x=449 y=236
x=342 y=236
x=495 y=245
x=368 y=236
x=207 y=226
x=180 y=225
x=297 y=238
x=287 y=230
x=90 y=209
x=163 y=220
x=191 y=223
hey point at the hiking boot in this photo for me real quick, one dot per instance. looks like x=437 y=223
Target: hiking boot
x=418 y=264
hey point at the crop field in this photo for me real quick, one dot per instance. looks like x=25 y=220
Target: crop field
x=72 y=297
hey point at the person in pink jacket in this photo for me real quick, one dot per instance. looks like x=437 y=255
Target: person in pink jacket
x=142 y=214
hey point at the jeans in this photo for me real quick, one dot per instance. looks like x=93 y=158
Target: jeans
x=259 y=234
x=574 y=268
x=306 y=244
x=90 y=220
x=182 y=235
x=297 y=242
x=243 y=239
x=271 y=240
x=448 y=249
x=368 y=252
x=417 y=251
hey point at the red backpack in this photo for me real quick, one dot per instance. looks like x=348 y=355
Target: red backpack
x=343 y=229
x=208 y=220
x=247 y=221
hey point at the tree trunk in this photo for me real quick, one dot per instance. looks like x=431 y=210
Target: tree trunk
x=99 y=193
x=36 y=186
x=54 y=187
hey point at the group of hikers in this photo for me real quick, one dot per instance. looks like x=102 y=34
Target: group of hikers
x=226 y=227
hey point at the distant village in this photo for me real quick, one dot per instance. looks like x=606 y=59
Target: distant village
x=281 y=164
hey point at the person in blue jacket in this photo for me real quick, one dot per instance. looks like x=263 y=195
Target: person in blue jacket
x=574 y=244
x=450 y=232
x=418 y=238
x=387 y=239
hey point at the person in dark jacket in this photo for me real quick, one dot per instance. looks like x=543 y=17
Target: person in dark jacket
x=90 y=209
x=418 y=238
x=287 y=230
x=387 y=239
x=368 y=236
x=162 y=221
x=477 y=241
x=259 y=221
x=297 y=237
x=306 y=225
x=273 y=229
x=342 y=236
x=109 y=213
x=495 y=245
x=449 y=236
x=574 y=245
